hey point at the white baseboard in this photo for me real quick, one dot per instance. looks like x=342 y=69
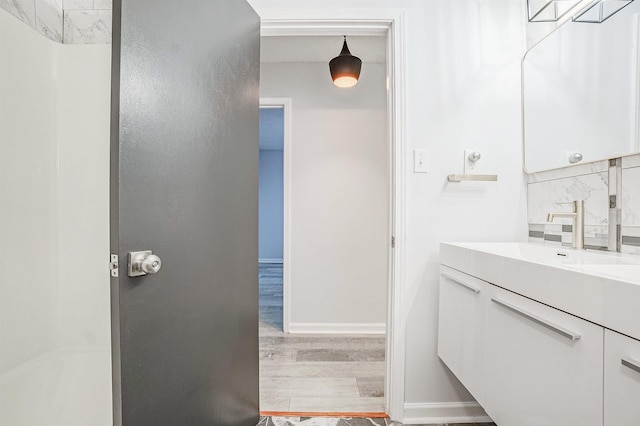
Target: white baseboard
x=444 y=412
x=270 y=260
x=337 y=328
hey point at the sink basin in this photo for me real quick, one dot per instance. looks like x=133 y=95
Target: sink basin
x=601 y=287
x=623 y=272
x=553 y=256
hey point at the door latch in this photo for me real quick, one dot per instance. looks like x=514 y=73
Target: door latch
x=113 y=265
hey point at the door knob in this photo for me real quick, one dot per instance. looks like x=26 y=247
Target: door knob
x=143 y=263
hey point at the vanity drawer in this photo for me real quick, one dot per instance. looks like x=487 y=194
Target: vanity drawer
x=543 y=366
x=461 y=328
x=621 y=380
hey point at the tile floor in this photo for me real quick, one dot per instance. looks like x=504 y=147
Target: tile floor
x=314 y=373
x=328 y=421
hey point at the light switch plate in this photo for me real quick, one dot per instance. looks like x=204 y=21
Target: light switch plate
x=421 y=161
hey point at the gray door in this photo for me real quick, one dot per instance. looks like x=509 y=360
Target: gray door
x=184 y=182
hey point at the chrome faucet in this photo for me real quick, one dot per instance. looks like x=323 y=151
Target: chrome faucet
x=578 y=222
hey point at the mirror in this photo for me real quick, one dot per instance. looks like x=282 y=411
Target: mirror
x=581 y=91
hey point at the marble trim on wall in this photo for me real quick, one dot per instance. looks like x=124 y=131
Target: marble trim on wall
x=595 y=237
x=65 y=21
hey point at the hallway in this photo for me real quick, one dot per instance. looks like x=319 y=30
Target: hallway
x=314 y=373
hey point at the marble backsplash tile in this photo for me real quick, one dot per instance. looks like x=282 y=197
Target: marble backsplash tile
x=65 y=21
x=103 y=4
x=87 y=4
x=631 y=161
x=631 y=197
x=77 y=4
x=87 y=26
x=592 y=188
x=49 y=19
x=24 y=10
x=631 y=205
x=589 y=182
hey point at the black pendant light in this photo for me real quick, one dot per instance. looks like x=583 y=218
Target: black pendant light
x=345 y=68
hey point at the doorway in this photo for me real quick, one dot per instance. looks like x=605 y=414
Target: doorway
x=271 y=214
x=337 y=232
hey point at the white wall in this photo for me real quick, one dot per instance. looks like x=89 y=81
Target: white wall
x=463 y=91
x=54 y=290
x=28 y=238
x=339 y=196
x=464 y=67
x=271 y=205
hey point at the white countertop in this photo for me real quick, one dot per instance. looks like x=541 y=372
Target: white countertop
x=601 y=287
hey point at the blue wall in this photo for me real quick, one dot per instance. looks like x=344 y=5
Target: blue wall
x=271 y=198
x=272 y=128
x=271 y=205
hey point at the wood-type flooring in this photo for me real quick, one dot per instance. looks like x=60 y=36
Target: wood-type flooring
x=314 y=373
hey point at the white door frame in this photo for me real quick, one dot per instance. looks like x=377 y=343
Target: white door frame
x=387 y=22
x=285 y=103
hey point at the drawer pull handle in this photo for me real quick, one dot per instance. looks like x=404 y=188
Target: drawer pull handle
x=543 y=322
x=474 y=289
x=631 y=363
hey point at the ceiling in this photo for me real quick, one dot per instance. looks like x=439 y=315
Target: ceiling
x=321 y=48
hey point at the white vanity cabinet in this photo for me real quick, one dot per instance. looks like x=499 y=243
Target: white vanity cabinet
x=461 y=328
x=543 y=366
x=621 y=380
x=542 y=335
